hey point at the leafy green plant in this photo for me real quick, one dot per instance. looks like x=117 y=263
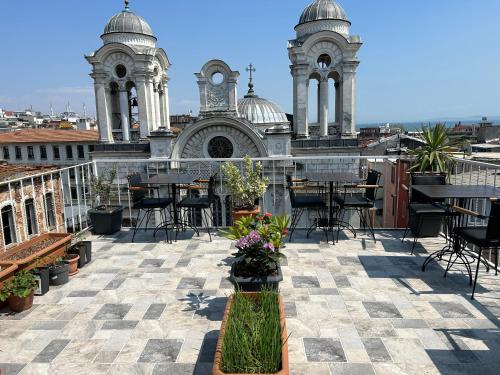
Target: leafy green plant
x=22 y=285
x=246 y=185
x=252 y=340
x=436 y=154
x=101 y=186
x=258 y=240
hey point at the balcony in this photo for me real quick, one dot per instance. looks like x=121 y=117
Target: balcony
x=355 y=307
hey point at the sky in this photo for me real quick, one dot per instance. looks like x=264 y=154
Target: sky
x=420 y=60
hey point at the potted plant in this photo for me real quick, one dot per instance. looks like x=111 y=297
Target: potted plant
x=246 y=187
x=19 y=291
x=41 y=274
x=59 y=272
x=253 y=338
x=105 y=218
x=72 y=261
x=82 y=248
x=258 y=241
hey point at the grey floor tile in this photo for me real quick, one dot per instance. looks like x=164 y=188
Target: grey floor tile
x=154 y=311
x=382 y=310
x=49 y=325
x=410 y=323
x=324 y=350
x=161 y=351
x=113 y=311
x=349 y=261
x=452 y=310
x=152 y=263
x=106 y=356
x=83 y=293
x=341 y=281
x=352 y=369
x=376 y=350
x=115 y=283
x=324 y=292
x=290 y=309
x=191 y=283
x=51 y=351
x=174 y=368
x=305 y=282
x=120 y=324
x=11 y=368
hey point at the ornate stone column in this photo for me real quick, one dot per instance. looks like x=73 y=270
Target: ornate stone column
x=301 y=97
x=157 y=110
x=152 y=105
x=124 y=112
x=166 y=105
x=323 y=108
x=338 y=103
x=142 y=98
x=103 y=114
x=349 y=99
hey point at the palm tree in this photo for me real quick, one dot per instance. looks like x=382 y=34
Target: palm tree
x=435 y=154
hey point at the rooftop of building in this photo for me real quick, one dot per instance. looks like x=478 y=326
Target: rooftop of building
x=14 y=171
x=48 y=136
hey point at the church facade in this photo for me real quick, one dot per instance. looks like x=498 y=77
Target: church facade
x=130 y=76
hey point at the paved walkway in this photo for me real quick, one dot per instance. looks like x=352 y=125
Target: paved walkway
x=354 y=308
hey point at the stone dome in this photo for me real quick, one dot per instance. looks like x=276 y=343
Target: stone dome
x=259 y=110
x=128 y=22
x=323 y=10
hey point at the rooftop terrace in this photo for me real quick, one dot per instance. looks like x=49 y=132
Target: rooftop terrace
x=357 y=307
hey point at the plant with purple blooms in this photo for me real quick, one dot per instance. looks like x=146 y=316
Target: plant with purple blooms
x=258 y=240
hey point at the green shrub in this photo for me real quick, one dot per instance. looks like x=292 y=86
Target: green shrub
x=22 y=285
x=252 y=341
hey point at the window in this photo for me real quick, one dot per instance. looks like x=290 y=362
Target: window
x=6 y=154
x=81 y=152
x=43 y=152
x=55 y=150
x=8 y=226
x=31 y=225
x=220 y=148
x=31 y=153
x=49 y=210
x=69 y=152
x=19 y=153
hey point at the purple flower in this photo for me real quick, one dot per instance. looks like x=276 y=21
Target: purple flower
x=269 y=246
x=248 y=241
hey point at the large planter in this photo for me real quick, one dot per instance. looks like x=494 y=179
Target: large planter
x=7 y=271
x=284 y=339
x=84 y=250
x=42 y=278
x=59 y=274
x=238 y=214
x=255 y=284
x=106 y=222
x=18 y=304
x=35 y=253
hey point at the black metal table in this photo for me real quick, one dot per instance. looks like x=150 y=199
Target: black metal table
x=171 y=180
x=334 y=179
x=460 y=194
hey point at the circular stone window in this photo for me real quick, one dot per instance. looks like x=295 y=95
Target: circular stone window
x=217 y=78
x=120 y=71
x=324 y=61
x=220 y=148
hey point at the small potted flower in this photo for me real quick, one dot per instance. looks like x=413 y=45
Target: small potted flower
x=82 y=248
x=19 y=292
x=246 y=187
x=258 y=240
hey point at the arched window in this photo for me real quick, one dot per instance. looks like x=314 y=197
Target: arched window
x=8 y=226
x=30 y=210
x=50 y=215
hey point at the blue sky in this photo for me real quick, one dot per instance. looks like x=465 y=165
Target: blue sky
x=420 y=59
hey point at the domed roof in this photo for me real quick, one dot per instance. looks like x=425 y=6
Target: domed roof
x=259 y=110
x=128 y=22
x=323 y=10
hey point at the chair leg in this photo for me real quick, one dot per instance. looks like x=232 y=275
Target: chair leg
x=477 y=272
x=496 y=262
x=138 y=223
x=370 y=226
x=207 y=222
x=296 y=215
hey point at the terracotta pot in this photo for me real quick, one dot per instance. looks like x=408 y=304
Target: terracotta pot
x=284 y=338
x=72 y=261
x=18 y=304
x=238 y=214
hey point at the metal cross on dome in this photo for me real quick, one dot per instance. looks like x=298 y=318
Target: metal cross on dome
x=252 y=70
x=127 y=2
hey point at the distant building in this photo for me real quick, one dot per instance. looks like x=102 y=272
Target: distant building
x=47 y=147
x=372 y=134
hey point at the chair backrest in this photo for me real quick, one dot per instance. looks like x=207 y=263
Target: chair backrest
x=493 y=229
x=425 y=179
x=289 y=183
x=373 y=179
x=211 y=188
x=134 y=181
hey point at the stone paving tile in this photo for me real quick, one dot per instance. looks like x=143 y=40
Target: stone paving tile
x=376 y=350
x=174 y=368
x=83 y=293
x=191 y=283
x=324 y=350
x=51 y=351
x=112 y=311
x=160 y=351
x=49 y=325
x=152 y=263
x=352 y=369
x=120 y=324
x=154 y=311
x=11 y=368
x=382 y=310
x=305 y=282
x=451 y=310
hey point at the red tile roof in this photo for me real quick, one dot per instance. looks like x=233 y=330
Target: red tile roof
x=48 y=136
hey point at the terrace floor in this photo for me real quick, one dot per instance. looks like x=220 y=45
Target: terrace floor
x=353 y=308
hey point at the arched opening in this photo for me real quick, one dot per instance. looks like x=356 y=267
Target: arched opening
x=313 y=98
x=133 y=111
x=324 y=61
x=116 y=121
x=335 y=102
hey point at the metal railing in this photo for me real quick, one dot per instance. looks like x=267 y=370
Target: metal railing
x=73 y=196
